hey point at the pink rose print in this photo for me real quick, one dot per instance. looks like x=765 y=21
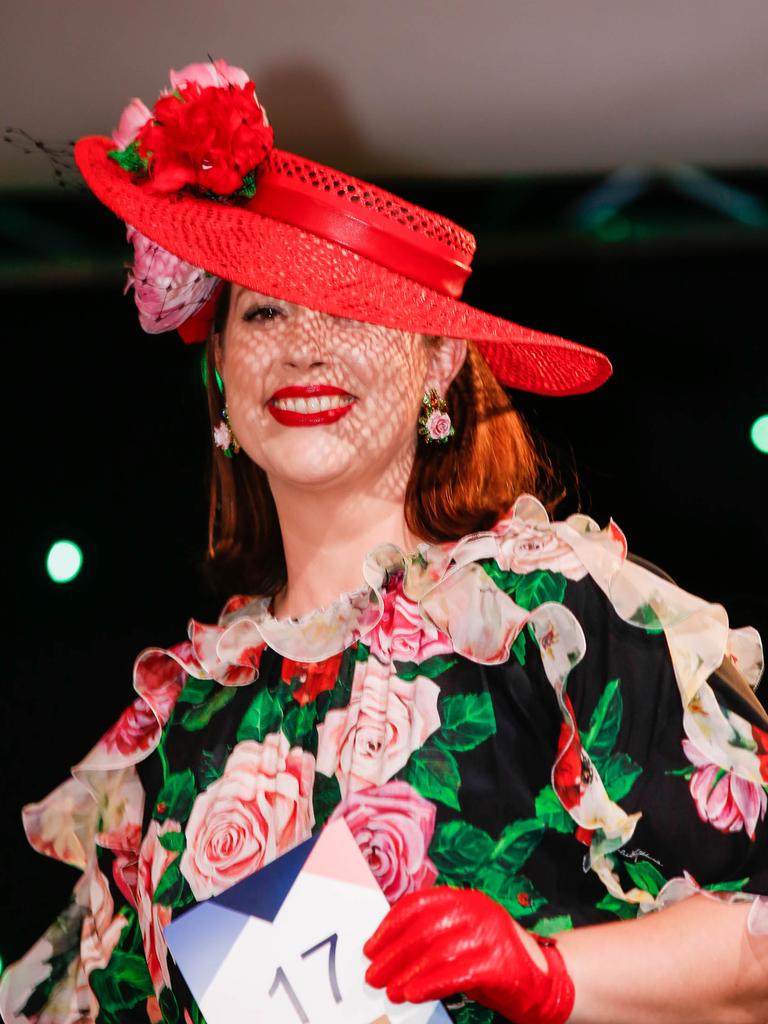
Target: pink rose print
x=259 y=808
x=135 y=730
x=523 y=549
x=387 y=718
x=725 y=800
x=403 y=634
x=154 y=917
x=393 y=826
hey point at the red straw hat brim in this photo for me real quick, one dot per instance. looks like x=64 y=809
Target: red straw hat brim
x=283 y=261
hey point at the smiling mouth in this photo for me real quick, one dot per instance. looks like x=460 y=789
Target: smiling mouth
x=309 y=405
x=312 y=403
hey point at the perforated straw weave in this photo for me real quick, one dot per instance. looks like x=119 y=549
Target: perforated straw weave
x=285 y=261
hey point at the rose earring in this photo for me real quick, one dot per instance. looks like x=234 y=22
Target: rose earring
x=224 y=436
x=435 y=424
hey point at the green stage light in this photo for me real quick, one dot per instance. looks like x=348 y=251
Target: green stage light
x=759 y=433
x=63 y=561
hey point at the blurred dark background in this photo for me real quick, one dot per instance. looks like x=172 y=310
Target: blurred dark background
x=650 y=246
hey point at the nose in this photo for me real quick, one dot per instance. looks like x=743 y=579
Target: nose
x=307 y=342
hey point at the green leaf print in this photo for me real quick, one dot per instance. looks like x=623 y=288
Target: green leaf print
x=517 y=842
x=600 y=738
x=168 y=1006
x=737 y=886
x=458 y=849
x=176 y=797
x=299 y=724
x=644 y=615
x=196 y=691
x=173 y=889
x=467 y=719
x=431 y=667
x=514 y=892
x=361 y=652
x=551 y=812
x=552 y=925
x=264 y=715
x=537 y=587
x=174 y=841
x=326 y=796
x=645 y=875
x=472 y=1013
x=518 y=647
x=211 y=766
x=619 y=774
x=433 y=772
x=198 y=717
x=620 y=908
x=504 y=579
x=120 y=986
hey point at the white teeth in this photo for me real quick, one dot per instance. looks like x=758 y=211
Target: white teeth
x=313 y=404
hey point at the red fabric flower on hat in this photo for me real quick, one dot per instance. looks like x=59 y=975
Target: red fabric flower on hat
x=210 y=137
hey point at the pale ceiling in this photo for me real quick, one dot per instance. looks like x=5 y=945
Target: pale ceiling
x=477 y=87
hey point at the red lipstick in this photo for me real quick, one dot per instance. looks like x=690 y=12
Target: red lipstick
x=291 y=418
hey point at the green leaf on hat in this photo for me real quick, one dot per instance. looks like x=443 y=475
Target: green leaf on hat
x=129 y=159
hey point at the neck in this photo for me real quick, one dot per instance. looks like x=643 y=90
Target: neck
x=326 y=537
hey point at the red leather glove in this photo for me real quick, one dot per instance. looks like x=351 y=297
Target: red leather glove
x=438 y=942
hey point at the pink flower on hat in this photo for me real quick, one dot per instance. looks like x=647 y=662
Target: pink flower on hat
x=218 y=73
x=133 y=118
x=167 y=289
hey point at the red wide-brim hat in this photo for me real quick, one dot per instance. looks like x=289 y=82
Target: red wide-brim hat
x=317 y=237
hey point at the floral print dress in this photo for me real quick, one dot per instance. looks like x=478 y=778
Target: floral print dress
x=525 y=711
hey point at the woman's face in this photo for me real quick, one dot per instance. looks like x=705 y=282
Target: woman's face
x=377 y=375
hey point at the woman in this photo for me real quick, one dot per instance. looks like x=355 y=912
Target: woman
x=534 y=740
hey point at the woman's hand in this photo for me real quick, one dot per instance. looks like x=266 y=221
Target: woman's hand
x=438 y=942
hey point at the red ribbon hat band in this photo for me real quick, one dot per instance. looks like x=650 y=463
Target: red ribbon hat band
x=410 y=253
x=207 y=197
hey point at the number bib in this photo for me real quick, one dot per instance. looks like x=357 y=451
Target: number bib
x=284 y=946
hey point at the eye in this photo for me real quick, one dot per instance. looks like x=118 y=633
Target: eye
x=262 y=313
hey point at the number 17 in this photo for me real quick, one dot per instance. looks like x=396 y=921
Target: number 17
x=282 y=979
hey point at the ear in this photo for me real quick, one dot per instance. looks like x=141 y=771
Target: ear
x=446 y=358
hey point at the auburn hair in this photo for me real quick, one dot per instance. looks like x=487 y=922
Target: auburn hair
x=453 y=489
